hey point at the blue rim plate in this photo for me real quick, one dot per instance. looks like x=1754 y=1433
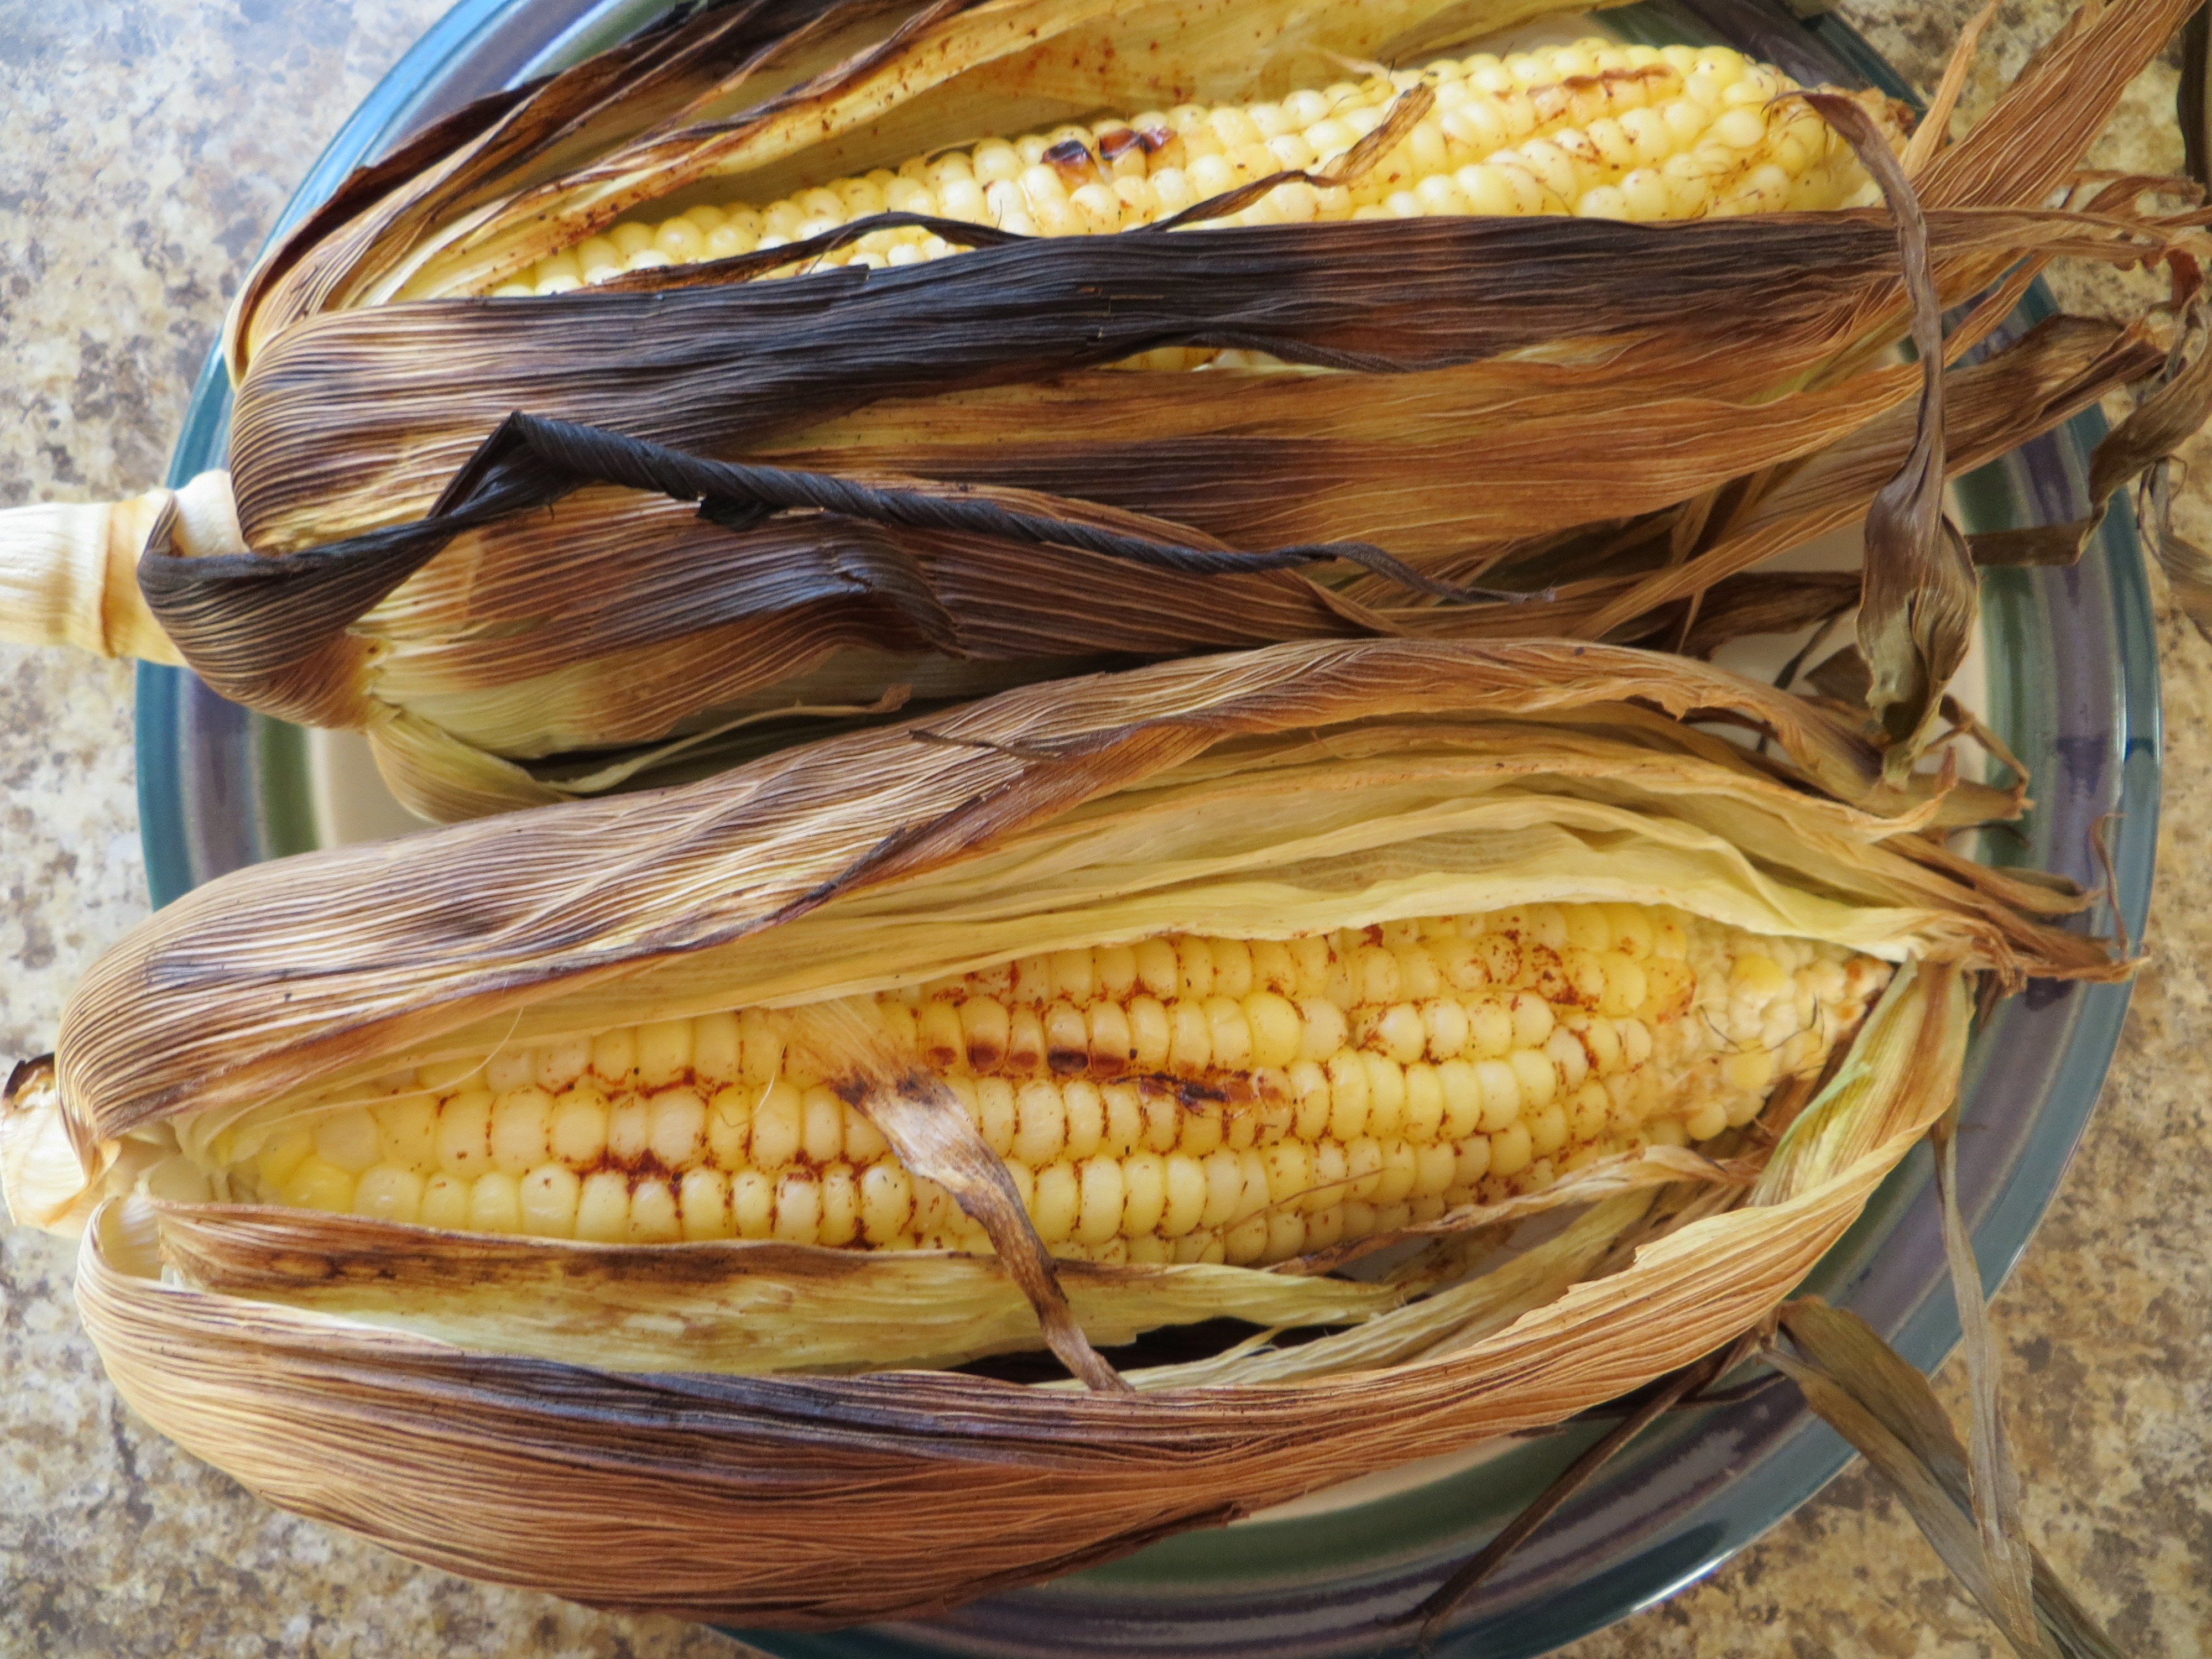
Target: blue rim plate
x=2072 y=687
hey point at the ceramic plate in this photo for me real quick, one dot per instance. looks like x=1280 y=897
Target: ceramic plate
x=2070 y=681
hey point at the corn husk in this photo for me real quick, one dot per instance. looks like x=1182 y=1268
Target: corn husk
x=1618 y=419
x=600 y=1420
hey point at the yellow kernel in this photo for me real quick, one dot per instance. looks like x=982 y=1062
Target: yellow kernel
x=446 y=1202
x=1750 y=1072
x=1145 y=1193
x=1510 y=1150
x=1151 y=1034
x=1375 y=975
x=1290 y=1167
x=728 y=1125
x=1156 y=969
x=546 y=1197
x=496 y=1203
x=289 y=1148
x=797 y=1208
x=1323 y=1029
x=992 y=1105
x=1228 y=1034
x=1539 y=1080
x=1085 y=1109
x=821 y=1125
x=1032 y=981
x=714 y=1048
x=886 y=1201
x=511 y=1068
x=1501 y=1094
x=1057 y=1202
x=1194 y=968
x=1113 y=972
x=841 y=1206
x=1707 y=1121
x=1026 y=1039
x=863 y=1142
x=1201 y=1131
x=1186 y=1194
x=463 y=1136
x=703 y=1205
x=777 y=1128
x=1400 y=1165
x=1348 y=1096
x=1741 y=129
x=1547 y=1129
x=389 y=1192
x=1308 y=1086
x=1190 y=1046
x=1362 y=1165
x=1124 y=1109
x=1163 y=1119
x=1274 y=1026
x=1224 y=1186
x=614 y=1054
x=348 y=1138
x=1462 y=1099
x=1041 y=1130
x=1386 y=1095
x=628 y=1122
x=1331 y=1180
x=1759 y=977
x=1601 y=1043
x=1101 y=1196
x=1436 y=1169
x=663 y=1051
x=1490 y=1027
x=986 y=1035
x=752 y=1203
x=1424 y=1103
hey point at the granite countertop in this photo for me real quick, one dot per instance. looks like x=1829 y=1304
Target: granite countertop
x=151 y=144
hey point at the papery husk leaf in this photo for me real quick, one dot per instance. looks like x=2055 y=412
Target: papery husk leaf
x=2059 y=368
x=1886 y=1409
x=560 y=1477
x=2175 y=408
x=739 y=1308
x=1920 y=601
x=1747 y=302
x=615 y=662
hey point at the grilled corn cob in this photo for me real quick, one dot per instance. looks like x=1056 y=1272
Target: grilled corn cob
x=1185 y=1099
x=1594 y=129
x=563 y=1146
x=491 y=650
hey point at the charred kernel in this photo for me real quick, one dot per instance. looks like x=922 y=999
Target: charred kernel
x=984 y=1027
x=1026 y=1039
x=1067 y=1045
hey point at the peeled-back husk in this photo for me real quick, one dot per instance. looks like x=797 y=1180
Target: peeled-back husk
x=345 y=1368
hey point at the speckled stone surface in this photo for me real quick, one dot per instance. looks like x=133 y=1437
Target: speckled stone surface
x=150 y=143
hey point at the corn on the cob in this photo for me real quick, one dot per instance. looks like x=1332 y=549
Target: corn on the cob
x=1173 y=955
x=1184 y=1099
x=1594 y=129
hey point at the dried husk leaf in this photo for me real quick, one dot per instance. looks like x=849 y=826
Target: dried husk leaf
x=1888 y=1413
x=339 y=1366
